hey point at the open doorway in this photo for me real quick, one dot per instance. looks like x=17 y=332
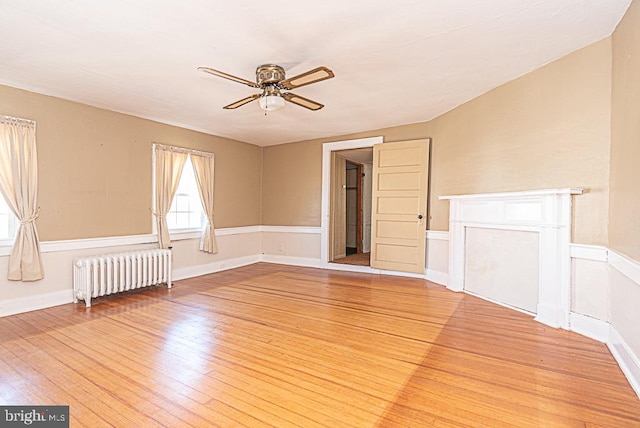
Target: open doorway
x=350 y=210
x=328 y=159
x=398 y=240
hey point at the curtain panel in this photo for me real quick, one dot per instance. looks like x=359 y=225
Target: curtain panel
x=168 y=168
x=19 y=186
x=203 y=165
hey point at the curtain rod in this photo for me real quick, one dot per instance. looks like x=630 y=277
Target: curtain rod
x=183 y=150
x=4 y=118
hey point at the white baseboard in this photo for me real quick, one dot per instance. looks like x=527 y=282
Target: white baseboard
x=438 y=277
x=291 y=260
x=626 y=359
x=193 y=271
x=590 y=327
x=370 y=270
x=496 y=302
x=351 y=268
x=317 y=263
x=33 y=303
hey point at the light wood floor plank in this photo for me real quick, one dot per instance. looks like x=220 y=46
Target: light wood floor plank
x=270 y=345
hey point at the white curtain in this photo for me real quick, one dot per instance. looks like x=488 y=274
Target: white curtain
x=203 y=165
x=168 y=166
x=19 y=186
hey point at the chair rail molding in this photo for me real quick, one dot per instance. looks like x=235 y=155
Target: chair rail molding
x=547 y=212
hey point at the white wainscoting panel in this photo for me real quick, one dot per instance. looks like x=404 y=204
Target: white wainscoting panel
x=590 y=288
x=32 y=303
x=437 y=263
x=606 y=289
x=625 y=318
x=240 y=246
x=294 y=242
x=219 y=266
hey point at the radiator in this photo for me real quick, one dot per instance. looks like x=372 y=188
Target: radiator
x=97 y=276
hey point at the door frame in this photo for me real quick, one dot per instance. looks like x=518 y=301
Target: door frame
x=327 y=148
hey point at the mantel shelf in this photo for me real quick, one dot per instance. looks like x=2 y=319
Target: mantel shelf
x=508 y=195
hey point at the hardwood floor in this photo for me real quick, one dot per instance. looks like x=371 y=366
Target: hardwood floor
x=358 y=259
x=270 y=345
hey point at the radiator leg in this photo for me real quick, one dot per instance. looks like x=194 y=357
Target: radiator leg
x=87 y=294
x=170 y=256
x=76 y=279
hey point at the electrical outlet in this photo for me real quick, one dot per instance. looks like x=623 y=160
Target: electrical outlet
x=281 y=247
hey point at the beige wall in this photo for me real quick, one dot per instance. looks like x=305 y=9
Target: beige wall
x=292 y=184
x=547 y=129
x=292 y=176
x=624 y=212
x=95 y=168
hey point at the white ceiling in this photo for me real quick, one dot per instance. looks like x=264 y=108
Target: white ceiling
x=396 y=62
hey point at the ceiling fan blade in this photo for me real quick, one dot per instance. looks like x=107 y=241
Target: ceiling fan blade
x=242 y=102
x=228 y=76
x=312 y=76
x=302 y=101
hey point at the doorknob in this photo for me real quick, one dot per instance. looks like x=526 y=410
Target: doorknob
x=419 y=216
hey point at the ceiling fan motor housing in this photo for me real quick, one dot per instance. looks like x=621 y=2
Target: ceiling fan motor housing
x=269 y=74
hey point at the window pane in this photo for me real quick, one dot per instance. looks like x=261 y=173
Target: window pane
x=182 y=219
x=182 y=202
x=4 y=226
x=8 y=221
x=171 y=220
x=186 y=209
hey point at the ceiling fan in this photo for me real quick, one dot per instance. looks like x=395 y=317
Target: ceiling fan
x=271 y=79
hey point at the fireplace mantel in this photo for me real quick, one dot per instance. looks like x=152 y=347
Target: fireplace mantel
x=547 y=212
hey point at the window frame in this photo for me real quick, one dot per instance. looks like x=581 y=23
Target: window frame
x=176 y=233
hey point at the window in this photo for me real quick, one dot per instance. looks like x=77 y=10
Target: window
x=8 y=222
x=186 y=209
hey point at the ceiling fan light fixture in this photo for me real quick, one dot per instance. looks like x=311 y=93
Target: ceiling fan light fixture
x=271 y=102
x=271 y=79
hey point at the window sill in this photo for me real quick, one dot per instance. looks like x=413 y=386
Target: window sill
x=5 y=246
x=182 y=234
